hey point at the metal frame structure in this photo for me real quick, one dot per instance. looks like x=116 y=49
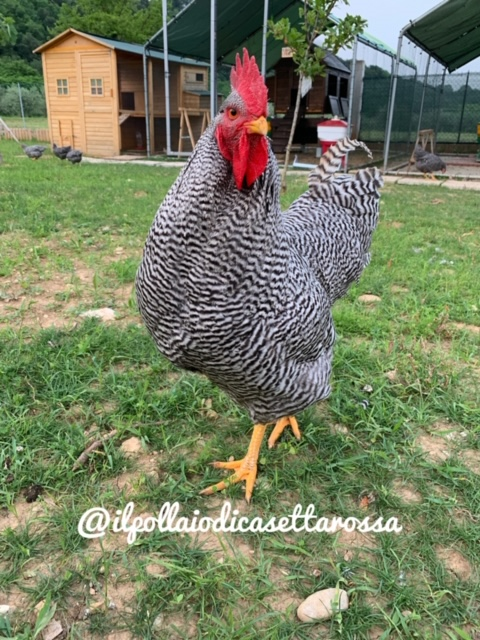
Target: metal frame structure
x=447 y=21
x=369 y=41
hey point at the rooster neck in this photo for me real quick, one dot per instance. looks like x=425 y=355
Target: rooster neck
x=206 y=200
x=209 y=230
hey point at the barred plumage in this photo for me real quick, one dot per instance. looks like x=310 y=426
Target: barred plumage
x=232 y=287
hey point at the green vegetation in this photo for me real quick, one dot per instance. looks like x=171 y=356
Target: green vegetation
x=400 y=435
x=26 y=25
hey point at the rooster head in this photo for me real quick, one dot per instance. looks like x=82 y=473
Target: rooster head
x=242 y=125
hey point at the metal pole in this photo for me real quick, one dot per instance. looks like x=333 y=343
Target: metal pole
x=166 y=69
x=422 y=101
x=391 y=108
x=264 y=38
x=463 y=109
x=145 y=93
x=440 y=100
x=392 y=73
x=411 y=108
x=213 y=58
x=350 y=95
x=22 y=111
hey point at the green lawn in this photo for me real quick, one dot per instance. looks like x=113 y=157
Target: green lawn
x=399 y=436
x=30 y=123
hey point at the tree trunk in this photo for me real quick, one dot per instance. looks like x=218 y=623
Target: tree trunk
x=292 y=133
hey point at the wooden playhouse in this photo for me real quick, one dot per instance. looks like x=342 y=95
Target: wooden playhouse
x=95 y=94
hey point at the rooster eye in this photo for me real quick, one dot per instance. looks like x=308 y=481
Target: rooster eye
x=232 y=114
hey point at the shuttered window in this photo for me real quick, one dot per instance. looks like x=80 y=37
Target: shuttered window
x=96 y=86
x=62 y=87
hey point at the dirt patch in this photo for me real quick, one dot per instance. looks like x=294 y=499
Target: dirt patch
x=21 y=514
x=223 y=545
x=471 y=459
x=406 y=492
x=282 y=601
x=177 y=626
x=435 y=447
x=455 y=562
x=352 y=544
x=46 y=301
x=472 y=328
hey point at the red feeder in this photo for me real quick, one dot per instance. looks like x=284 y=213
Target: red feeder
x=329 y=131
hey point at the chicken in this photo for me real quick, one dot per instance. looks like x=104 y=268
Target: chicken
x=74 y=156
x=34 y=151
x=61 y=152
x=232 y=287
x=427 y=162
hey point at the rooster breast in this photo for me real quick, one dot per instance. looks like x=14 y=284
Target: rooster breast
x=223 y=291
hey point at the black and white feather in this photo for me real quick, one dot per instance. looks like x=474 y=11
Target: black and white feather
x=61 y=152
x=34 y=151
x=74 y=156
x=427 y=162
x=232 y=287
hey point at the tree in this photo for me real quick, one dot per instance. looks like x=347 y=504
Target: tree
x=8 y=32
x=32 y=20
x=315 y=20
x=129 y=20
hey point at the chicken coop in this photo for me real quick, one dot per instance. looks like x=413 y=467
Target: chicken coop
x=328 y=96
x=95 y=94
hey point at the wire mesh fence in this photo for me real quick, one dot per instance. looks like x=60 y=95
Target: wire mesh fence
x=450 y=106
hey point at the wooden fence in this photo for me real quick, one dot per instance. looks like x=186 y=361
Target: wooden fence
x=43 y=135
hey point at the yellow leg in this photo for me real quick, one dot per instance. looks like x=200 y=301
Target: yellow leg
x=280 y=426
x=245 y=469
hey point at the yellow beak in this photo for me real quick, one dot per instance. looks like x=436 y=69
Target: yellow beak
x=259 y=126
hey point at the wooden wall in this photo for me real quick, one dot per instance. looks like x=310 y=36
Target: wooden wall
x=285 y=80
x=80 y=119
x=91 y=122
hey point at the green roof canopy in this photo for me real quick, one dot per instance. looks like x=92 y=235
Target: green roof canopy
x=450 y=32
x=239 y=24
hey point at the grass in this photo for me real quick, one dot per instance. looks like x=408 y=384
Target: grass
x=70 y=240
x=30 y=123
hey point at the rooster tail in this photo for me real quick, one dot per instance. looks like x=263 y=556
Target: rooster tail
x=331 y=160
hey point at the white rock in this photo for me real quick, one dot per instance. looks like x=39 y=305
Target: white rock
x=159 y=623
x=52 y=630
x=322 y=605
x=105 y=313
x=4 y=609
x=132 y=445
x=369 y=298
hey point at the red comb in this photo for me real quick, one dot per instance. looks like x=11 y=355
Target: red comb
x=248 y=82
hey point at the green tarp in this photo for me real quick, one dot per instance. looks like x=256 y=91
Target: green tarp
x=450 y=32
x=239 y=24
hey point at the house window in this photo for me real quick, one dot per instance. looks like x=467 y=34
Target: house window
x=128 y=100
x=343 y=87
x=96 y=87
x=62 y=87
x=199 y=77
x=332 y=85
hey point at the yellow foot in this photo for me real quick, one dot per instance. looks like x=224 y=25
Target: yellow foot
x=280 y=426
x=245 y=469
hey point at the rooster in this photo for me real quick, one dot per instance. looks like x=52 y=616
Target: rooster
x=234 y=288
x=61 y=152
x=34 y=151
x=74 y=156
x=427 y=162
